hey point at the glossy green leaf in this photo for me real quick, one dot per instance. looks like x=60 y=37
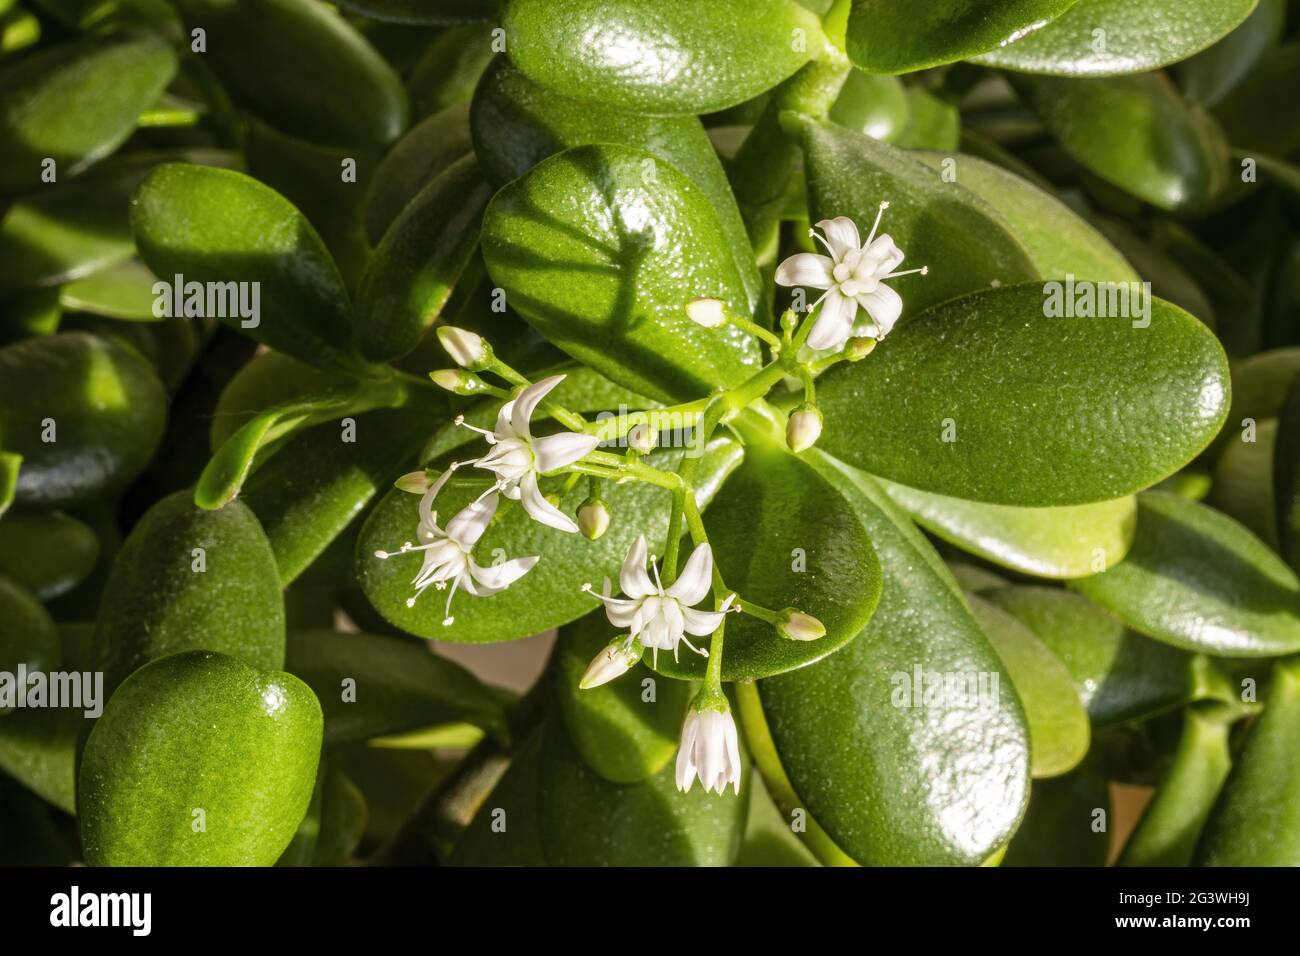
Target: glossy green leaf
x=625 y=730
x=267 y=379
x=394 y=686
x=897 y=36
x=933 y=122
x=188 y=579
x=1143 y=401
x=551 y=593
x=76 y=102
x=199 y=732
x=415 y=161
x=219 y=226
x=875 y=105
x=1106 y=37
x=451 y=67
x=104 y=403
x=514 y=799
x=891 y=779
x=423 y=11
x=1119 y=675
x=48 y=554
x=420 y=259
x=1067 y=542
x=850 y=174
x=687 y=57
x=302 y=68
x=1210 y=75
x=517 y=123
x=1199 y=580
x=120 y=291
x=600 y=248
x=1058 y=724
x=1062 y=826
x=29 y=639
x=1243 y=481
x=1173 y=154
x=1256 y=821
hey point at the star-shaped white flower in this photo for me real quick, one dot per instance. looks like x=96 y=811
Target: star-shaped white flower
x=448 y=554
x=710 y=749
x=659 y=617
x=853 y=275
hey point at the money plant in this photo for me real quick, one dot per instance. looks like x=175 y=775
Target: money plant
x=880 y=413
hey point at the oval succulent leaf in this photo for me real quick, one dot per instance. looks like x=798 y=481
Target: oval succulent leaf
x=48 y=554
x=29 y=640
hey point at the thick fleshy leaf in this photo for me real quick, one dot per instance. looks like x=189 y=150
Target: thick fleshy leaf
x=931 y=221
x=188 y=579
x=420 y=259
x=199 y=733
x=1059 y=825
x=1107 y=37
x=517 y=123
x=1174 y=156
x=267 y=379
x=1067 y=542
x=1256 y=821
x=301 y=67
x=120 y=291
x=415 y=161
x=1119 y=675
x=450 y=68
x=1210 y=75
x=1058 y=724
x=1199 y=580
x=933 y=122
x=100 y=403
x=218 y=226
x=551 y=593
x=1141 y=402
x=600 y=248
x=514 y=802
x=75 y=103
x=48 y=554
x=625 y=730
x=423 y=11
x=895 y=777
x=29 y=639
x=371 y=686
x=899 y=36
x=677 y=57
x=875 y=105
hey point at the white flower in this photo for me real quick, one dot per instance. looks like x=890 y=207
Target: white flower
x=853 y=275
x=448 y=553
x=467 y=349
x=710 y=750
x=659 y=617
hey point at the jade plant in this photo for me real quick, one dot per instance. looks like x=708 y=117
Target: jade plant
x=881 y=416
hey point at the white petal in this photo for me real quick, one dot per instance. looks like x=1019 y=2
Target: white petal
x=527 y=401
x=633 y=578
x=541 y=510
x=806 y=269
x=884 y=306
x=557 y=451
x=427 y=516
x=622 y=613
x=503 y=429
x=686 y=752
x=502 y=575
x=841 y=235
x=702 y=623
x=733 y=752
x=472 y=520
x=693 y=583
x=882 y=257
x=834 y=322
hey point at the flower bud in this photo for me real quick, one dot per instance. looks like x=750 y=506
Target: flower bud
x=614 y=661
x=858 y=348
x=642 y=438
x=797 y=626
x=466 y=348
x=707 y=312
x=804 y=428
x=455 y=380
x=415 y=482
x=593 y=518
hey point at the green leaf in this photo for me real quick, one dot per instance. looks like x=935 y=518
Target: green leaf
x=1210 y=75
x=1144 y=400
x=483 y=842
x=104 y=403
x=218 y=226
x=817 y=557
x=75 y=103
x=600 y=248
x=423 y=11
x=419 y=260
x=267 y=379
x=689 y=57
x=1174 y=155
x=1059 y=241
x=892 y=780
x=450 y=68
x=1067 y=542
x=1286 y=476
x=850 y=174
x=199 y=732
x=1119 y=675
x=1256 y=821
x=29 y=639
x=897 y=36
x=769 y=839
x=302 y=68
x=158 y=601
x=1199 y=580
x=396 y=686
x=551 y=593
x=1107 y=37
x=48 y=554
x=517 y=124
x=121 y=291
x=342 y=820
x=1058 y=724
x=1243 y=481
x=878 y=106
x=620 y=734
x=1059 y=828
x=933 y=122
x=1254 y=116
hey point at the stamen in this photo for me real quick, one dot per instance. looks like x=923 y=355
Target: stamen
x=490 y=436
x=876 y=225
x=655 y=568
x=448 y=620
x=924 y=270
x=702 y=651
x=822 y=239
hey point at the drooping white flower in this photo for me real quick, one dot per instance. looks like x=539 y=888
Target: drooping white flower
x=659 y=617
x=710 y=749
x=448 y=553
x=853 y=275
